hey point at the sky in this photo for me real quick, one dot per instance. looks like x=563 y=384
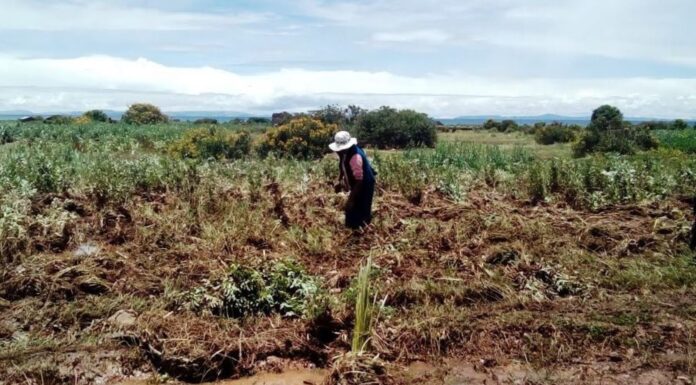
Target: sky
x=447 y=58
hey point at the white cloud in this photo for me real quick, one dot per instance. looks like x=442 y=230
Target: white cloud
x=105 y=15
x=427 y=36
x=109 y=82
x=654 y=30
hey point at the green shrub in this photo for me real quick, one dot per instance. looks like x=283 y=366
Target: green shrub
x=205 y=121
x=283 y=288
x=143 y=113
x=331 y=114
x=508 y=125
x=212 y=143
x=680 y=124
x=683 y=140
x=6 y=136
x=391 y=128
x=302 y=138
x=258 y=120
x=555 y=133
x=96 y=116
x=608 y=132
x=491 y=124
x=58 y=119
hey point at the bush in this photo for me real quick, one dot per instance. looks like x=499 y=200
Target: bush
x=211 y=143
x=491 y=124
x=389 y=128
x=58 y=119
x=508 y=125
x=280 y=118
x=608 y=132
x=258 y=120
x=331 y=114
x=283 y=288
x=96 y=116
x=143 y=113
x=303 y=138
x=679 y=124
x=205 y=121
x=555 y=133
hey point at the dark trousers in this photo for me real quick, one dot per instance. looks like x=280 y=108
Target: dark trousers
x=361 y=214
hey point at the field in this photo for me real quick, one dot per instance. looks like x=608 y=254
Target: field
x=494 y=259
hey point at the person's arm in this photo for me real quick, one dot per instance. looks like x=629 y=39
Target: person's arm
x=356 y=168
x=340 y=184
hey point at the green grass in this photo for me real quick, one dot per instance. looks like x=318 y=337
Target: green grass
x=682 y=140
x=508 y=141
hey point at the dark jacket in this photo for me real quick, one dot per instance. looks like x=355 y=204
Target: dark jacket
x=359 y=207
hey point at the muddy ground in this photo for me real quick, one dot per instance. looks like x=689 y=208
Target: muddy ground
x=487 y=290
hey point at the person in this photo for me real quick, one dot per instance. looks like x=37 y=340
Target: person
x=357 y=176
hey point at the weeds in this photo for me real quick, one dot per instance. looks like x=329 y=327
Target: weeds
x=196 y=250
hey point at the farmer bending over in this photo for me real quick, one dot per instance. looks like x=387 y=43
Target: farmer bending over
x=357 y=176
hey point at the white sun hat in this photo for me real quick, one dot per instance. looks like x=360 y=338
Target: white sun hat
x=342 y=141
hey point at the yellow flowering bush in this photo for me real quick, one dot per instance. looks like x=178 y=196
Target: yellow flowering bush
x=211 y=143
x=302 y=138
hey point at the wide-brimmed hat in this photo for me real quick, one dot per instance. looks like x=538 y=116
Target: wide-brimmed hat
x=342 y=141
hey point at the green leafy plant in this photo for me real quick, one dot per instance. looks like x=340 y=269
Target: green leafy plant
x=283 y=288
x=555 y=133
x=364 y=307
x=212 y=143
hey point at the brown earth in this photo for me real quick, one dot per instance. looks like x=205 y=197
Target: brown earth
x=492 y=280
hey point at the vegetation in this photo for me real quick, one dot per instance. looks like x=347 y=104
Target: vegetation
x=684 y=140
x=364 y=304
x=208 y=264
x=555 y=133
x=302 y=138
x=607 y=132
x=391 y=128
x=143 y=113
x=58 y=119
x=208 y=121
x=212 y=143
x=283 y=288
x=96 y=116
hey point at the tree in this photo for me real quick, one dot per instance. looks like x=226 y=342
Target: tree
x=280 y=118
x=679 y=124
x=331 y=114
x=491 y=124
x=607 y=132
x=606 y=118
x=200 y=121
x=354 y=113
x=96 y=116
x=391 y=128
x=258 y=120
x=507 y=125
x=144 y=113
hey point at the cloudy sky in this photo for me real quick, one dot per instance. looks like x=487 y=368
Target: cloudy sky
x=447 y=57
